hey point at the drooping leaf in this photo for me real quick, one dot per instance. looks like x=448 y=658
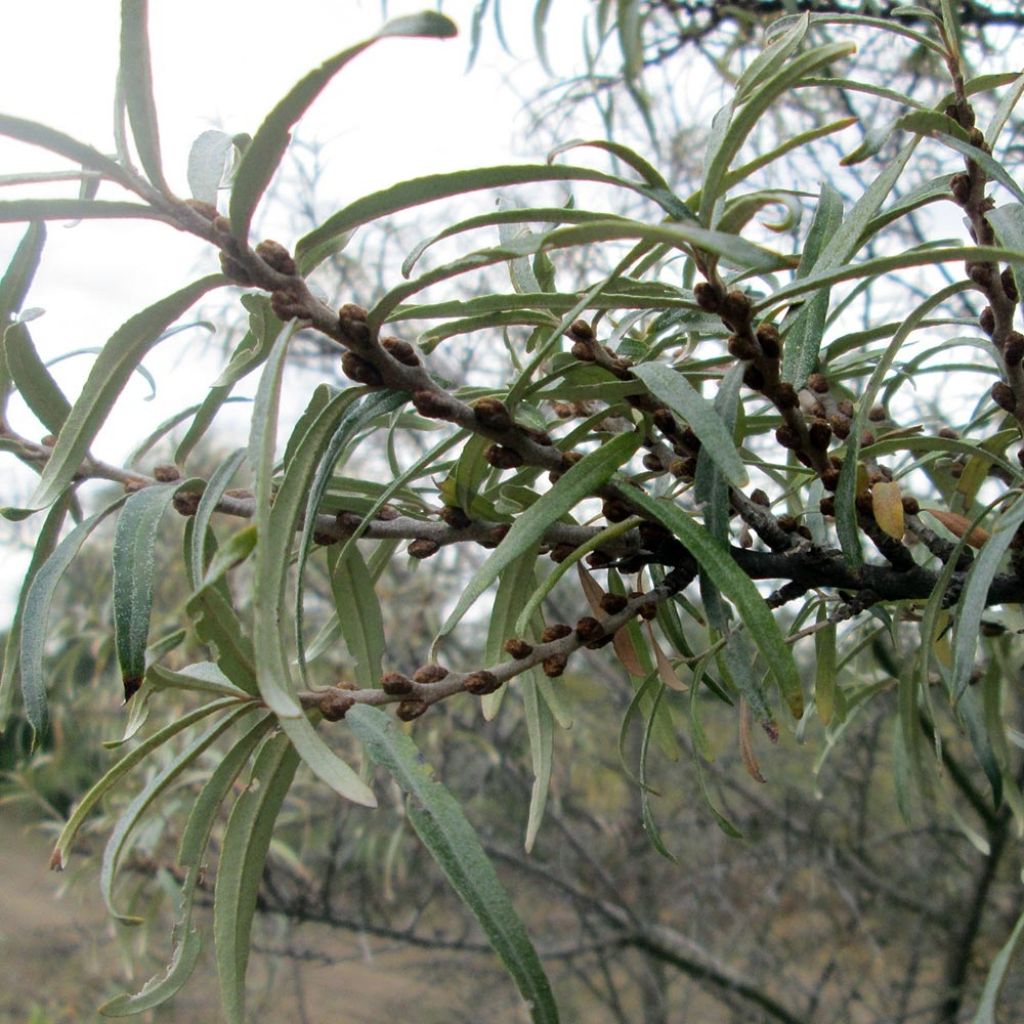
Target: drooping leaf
x=109 y=374
x=240 y=867
x=134 y=563
x=268 y=146
x=451 y=840
x=207 y=160
x=136 y=76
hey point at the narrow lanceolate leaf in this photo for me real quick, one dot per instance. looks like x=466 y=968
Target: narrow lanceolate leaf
x=138 y=806
x=14 y=286
x=246 y=841
x=973 y=601
x=417 y=191
x=825 y=667
x=45 y=543
x=997 y=975
x=14 y=210
x=685 y=401
x=273 y=672
x=109 y=374
x=713 y=557
x=185 y=937
x=268 y=146
x=454 y=844
x=579 y=482
x=214 y=490
x=57 y=142
x=136 y=77
x=37 y=612
x=134 y=560
x=32 y=379
x=324 y=763
x=122 y=769
x=540 y=729
x=359 y=613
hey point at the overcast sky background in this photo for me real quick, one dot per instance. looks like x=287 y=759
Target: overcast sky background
x=403 y=108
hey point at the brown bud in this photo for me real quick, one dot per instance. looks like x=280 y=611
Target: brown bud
x=753 y=378
x=583 y=352
x=495 y=536
x=840 y=426
x=276 y=256
x=407 y=710
x=166 y=473
x=394 y=684
x=455 y=517
x=648 y=610
x=352 y=323
x=286 y=306
x=554 y=665
x=560 y=552
x=234 y=271
x=980 y=273
x=435 y=405
x=588 y=629
x=48 y=441
x=845 y=408
x=819 y=434
x=492 y=413
x=960 y=186
x=950 y=433
x=599 y=559
x=481 y=683
x=242 y=493
x=1009 y=284
x=401 y=351
x=665 y=421
x=580 y=330
x=910 y=505
x=987 y=320
x=787 y=436
x=736 y=308
x=785 y=396
x=741 y=346
x=830 y=478
x=541 y=437
x=427 y=674
x=827 y=505
x=877 y=413
x=334 y=705
x=556 y=631
x=423 y=547
x=186 y=503
x=770 y=340
x=204 y=209
x=612 y=604
x=358 y=369
x=707 y=296
x=133 y=486
x=1002 y=395
x=222 y=225
x=788 y=524
x=653 y=463
x=325 y=538
x=501 y=457
x=615 y=510
x=518 y=648
x=867 y=438
x=758 y=497
x=1013 y=351
x=818 y=383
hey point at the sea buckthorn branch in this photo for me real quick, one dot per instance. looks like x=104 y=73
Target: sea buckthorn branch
x=432 y=683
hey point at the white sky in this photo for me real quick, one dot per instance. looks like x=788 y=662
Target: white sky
x=403 y=108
